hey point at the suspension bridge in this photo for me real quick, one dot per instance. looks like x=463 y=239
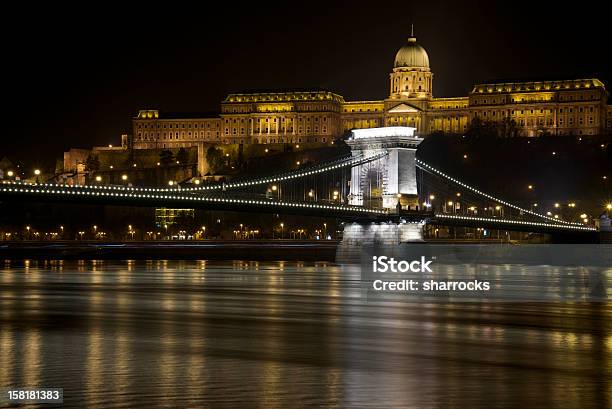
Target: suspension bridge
x=382 y=181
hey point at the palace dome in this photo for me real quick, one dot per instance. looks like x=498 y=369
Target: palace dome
x=412 y=55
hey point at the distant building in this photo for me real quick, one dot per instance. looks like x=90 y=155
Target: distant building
x=566 y=107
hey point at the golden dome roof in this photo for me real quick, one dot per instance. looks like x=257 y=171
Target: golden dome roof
x=412 y=55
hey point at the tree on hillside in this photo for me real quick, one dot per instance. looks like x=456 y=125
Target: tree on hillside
x=214 y=158
x=481 y=129
x=166 y=157
x=508 y=128
x=92 y=163
x=182 y=156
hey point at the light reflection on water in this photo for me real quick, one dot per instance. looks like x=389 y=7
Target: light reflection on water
x=286 y=334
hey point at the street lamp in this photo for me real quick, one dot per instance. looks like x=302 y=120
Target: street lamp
x=282 y=226
x=124 y=177
x=37 y=172
x=10 y=173
x=98 y=178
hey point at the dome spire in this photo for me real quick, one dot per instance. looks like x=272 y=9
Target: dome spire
x=412 y=38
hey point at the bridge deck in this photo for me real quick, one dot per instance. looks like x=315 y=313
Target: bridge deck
x=124 y=196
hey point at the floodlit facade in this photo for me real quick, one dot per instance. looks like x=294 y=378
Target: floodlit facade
x=565 y=107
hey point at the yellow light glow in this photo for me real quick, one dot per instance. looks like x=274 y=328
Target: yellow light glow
x=124 y=177
x=98 y=178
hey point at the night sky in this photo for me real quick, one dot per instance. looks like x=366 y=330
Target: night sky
x=76 y=80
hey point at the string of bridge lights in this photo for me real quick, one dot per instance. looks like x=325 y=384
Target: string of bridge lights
x=352 y=161
x=431 y=168
x=37 y=189
x=486 y=219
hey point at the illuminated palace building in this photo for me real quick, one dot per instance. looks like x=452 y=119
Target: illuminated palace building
x=569 y=107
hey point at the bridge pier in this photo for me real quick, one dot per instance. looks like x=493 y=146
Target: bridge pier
x=357 y=235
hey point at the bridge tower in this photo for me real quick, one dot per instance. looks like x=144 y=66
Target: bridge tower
x=390 y=179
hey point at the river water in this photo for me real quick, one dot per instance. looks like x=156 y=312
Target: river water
x=286 y=334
